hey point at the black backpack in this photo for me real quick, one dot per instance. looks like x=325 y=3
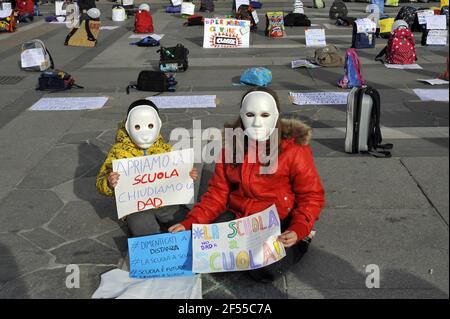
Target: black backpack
x=86 y=4
x=408 y=14
x=173 y=59
x=338 y=9
x=153 y=81
x=245 y=13
x=56 y=80
x=296 y=20
x=345 y=21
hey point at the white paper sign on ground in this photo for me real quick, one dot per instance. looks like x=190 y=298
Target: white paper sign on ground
x=303 y=64
x=433 y=81
x=439 y=95
x=437 y=37
x=437 y=22
x=187 y=8
x=423 y=14
x=59 y=8
x=117 y=284
x=32 y=57
x=177 y=3
x=318 y=98
x=69 y=103
x=155 y=36
x=240 y=3
x=315 y=37
x=127 y=2
x=403 y=66
x=109 y=27
x=187 y=101
x=242 y=244
x=226 y=33
x=149 y=182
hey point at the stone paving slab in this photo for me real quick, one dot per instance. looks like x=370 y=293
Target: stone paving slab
x=27 y=209
x=51 y=284
x=432 y=176
x=409 y=246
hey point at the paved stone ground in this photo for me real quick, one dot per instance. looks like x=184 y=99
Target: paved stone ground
x=390 y=212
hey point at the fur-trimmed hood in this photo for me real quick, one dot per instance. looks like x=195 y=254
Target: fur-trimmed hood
x=296 y=129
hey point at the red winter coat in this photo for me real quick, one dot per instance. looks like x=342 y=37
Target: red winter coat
x=295 y=187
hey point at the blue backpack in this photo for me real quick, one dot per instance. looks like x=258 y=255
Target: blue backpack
x=352 y=67
x=259 y=76
x=362 y=40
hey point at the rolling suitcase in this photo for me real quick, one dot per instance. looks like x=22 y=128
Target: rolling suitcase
x=363 y=133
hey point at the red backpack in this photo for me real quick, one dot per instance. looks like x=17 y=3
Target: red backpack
x=24 y=7
x=401 y=48
x=143 y=22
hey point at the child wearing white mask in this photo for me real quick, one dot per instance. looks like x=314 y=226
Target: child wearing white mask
x=238 y=190
x=139 y=135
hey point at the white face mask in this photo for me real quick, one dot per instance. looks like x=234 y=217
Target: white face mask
x=143 y=125
x=259 y=114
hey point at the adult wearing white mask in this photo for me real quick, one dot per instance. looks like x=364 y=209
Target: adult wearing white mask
x=238 y=189
x=139 y=135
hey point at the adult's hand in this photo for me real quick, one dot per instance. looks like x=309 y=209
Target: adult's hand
x=288 y=238
x=176 y=228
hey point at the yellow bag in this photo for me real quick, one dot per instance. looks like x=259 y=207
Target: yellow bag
x=444 y=3
x=386 y=25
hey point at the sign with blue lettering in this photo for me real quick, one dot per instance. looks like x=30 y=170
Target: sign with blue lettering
x=161 y=255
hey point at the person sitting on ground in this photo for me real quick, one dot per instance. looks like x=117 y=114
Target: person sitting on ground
x=240 y=189
x=140 y=135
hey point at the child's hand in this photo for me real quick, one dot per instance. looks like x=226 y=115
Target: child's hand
x=288 y=238
x=113 y=178
x=176 y=228
x=194 y=173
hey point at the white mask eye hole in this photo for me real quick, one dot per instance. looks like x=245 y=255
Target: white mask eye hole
x=137 y=127
x=250 y=114
x=150 y=126
x=265 y=114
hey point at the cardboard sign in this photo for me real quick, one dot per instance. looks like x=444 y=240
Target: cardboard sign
x=162 y=255
x=437 y=37
x=226 y=33
x=242 y=244
x=177 y=3
x=187 y=8
x=240 y=3
x=149 y=182
x=436 y=22
x=315 y=37
x=5 y=13
x=423 y=14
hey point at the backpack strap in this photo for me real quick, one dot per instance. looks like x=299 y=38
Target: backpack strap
x=375 y=137
x=131 y=86
x=380 y=55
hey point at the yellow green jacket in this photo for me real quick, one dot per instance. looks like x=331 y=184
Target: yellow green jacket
x=125 y=148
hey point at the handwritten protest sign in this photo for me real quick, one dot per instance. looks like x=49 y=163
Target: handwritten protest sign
x=187 y=8
x=436 y=22
x=437 y=37
x=242 y=244
x=149 y=182
x=226 y=33
x=161 y=255
x=315 y=37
